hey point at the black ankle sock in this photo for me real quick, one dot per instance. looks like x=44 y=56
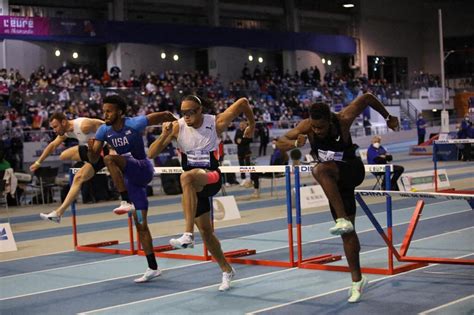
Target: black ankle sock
x=152 y=261
x=124 y=196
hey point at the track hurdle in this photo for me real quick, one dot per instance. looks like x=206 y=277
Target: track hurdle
x=100 y=247
x=321 y=262
x=236 y=255
x=402 y=255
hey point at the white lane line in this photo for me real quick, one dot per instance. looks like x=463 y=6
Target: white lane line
x=117 y=278
x=28 y=257
x=346 y=288
x=95 y=282
x=261 y=251
x=184 y=292
x=263 y=275
x=65 y=267
x=446 y=305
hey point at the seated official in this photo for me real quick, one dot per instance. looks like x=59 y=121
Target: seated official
x=376 y=154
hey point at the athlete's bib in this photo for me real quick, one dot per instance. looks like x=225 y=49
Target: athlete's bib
x=328 y=155
x=199 y=158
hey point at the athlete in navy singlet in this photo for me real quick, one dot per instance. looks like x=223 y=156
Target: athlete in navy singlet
x=338 y=170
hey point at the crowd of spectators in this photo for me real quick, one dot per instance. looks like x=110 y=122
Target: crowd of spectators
x=279 y=98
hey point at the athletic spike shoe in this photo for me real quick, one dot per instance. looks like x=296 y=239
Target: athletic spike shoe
x=342 y=226
x=185 y=241
x=355 y=292
x=124 y=208
x=226 y=279
x=52 y=216
x=148 y=275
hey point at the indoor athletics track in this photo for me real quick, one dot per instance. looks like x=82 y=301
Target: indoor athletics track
x=47 y=277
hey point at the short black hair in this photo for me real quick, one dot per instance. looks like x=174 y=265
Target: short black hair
x=319 y=111
x=205 y=103
x=118 y=101
x=59 y=116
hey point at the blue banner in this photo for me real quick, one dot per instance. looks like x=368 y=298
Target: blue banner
x=88 y=31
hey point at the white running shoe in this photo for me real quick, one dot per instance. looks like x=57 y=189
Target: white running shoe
x=342 y=226
x=124 y=208
x=355 y=292
x=52 y=216
x=148 y=275
x=185 y=241
x=226 y=279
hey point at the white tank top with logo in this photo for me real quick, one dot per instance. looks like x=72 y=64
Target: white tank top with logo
x=198 y=143
x=78 y=134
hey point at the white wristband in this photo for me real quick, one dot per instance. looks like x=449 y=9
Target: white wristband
x=296 y=143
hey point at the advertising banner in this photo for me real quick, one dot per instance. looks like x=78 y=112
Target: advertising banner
x=21 y=25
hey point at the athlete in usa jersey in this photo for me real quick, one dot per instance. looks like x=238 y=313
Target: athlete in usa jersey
x=130 y=169
x=197 y=137
x=129 y=139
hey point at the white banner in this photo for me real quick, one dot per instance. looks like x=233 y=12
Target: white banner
x=313 y=196
x=423 y=180
x=435 y=95
x=7 y=242
x=368 y=168
x=225 y=208
x=33 y=150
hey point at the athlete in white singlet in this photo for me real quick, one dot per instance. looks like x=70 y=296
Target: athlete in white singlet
x=81 y=129
x=197 y=137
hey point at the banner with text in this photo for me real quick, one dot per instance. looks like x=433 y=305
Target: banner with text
x=22 y=25
x=313 y=196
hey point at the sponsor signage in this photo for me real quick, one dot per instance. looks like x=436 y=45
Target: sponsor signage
x=33 y=150
x=421 y=150
x=423 y=180
x=225 y=208
x=312 y=196
x=7 y=242
x=22 y=25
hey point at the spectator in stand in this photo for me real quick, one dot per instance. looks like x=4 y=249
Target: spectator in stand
x=376 y=154
x=264 y=135
x=421 y=128
x=246 y=72
x=37 y=120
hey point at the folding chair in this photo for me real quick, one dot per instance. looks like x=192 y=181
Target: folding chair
x=46 y=182
x=379 y=181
